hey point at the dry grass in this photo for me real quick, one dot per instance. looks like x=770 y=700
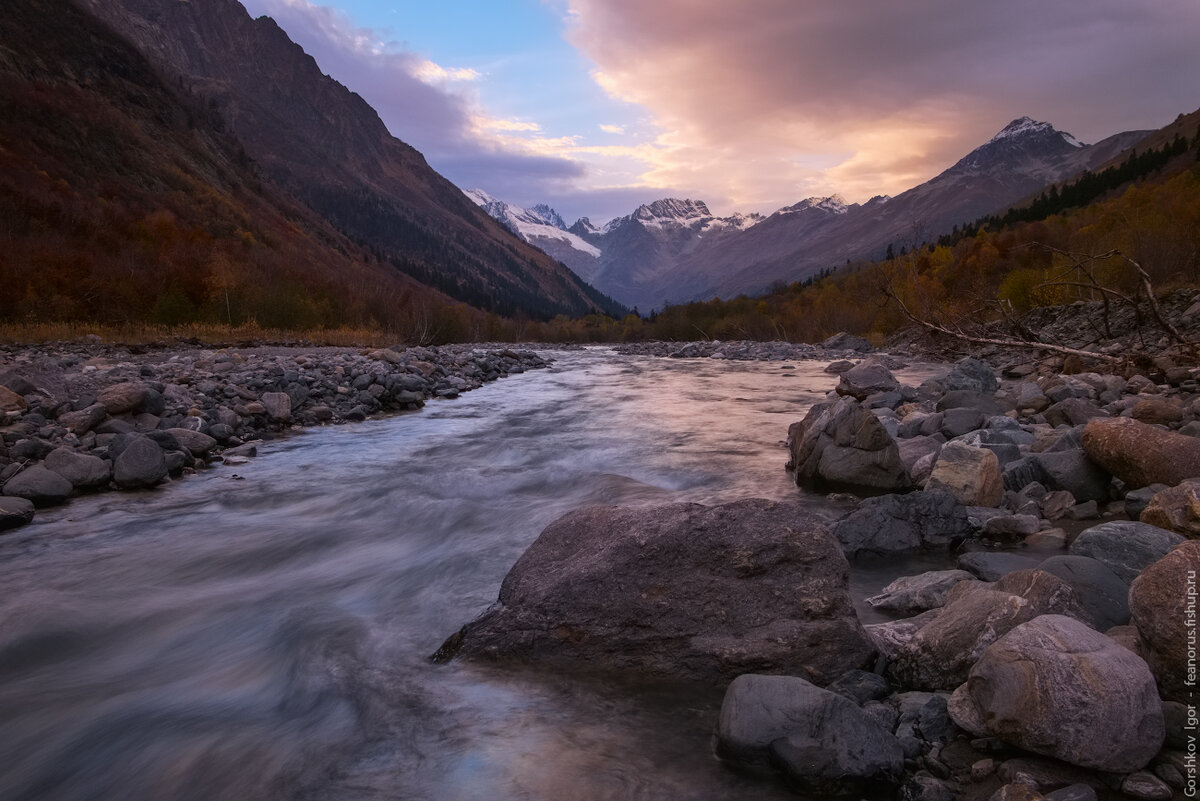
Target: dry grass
x=208 y=334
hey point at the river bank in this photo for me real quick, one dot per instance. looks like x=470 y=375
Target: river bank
x=70 y=411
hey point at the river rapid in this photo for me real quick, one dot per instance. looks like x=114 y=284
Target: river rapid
x=263 y=631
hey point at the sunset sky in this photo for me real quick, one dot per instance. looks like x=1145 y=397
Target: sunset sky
x=596 y=106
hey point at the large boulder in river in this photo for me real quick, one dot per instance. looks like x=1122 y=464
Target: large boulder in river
x=824 y=744
x=1141 y=454
x=1056 y=687
x=897 y=523
x=683 y=590
x=1158 y=603
x=840 y=445
x=866 y=378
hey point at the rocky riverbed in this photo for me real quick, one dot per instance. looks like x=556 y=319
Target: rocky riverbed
x=1049 y=662
x=87 y=417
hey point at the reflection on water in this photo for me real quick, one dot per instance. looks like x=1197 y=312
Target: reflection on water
x=260 y=632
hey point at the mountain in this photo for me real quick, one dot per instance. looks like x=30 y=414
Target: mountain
x=326 y=146
x=542 y=227
x=1022 y=158
x=675 y=250
x=635 y=258
x=123 y=199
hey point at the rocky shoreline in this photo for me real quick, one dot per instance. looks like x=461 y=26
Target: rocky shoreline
x=1050 y=662
x=89 y=417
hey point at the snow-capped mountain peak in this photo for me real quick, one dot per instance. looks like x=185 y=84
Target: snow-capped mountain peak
x=1027 y=126
x=834 y=204
x=535 y=225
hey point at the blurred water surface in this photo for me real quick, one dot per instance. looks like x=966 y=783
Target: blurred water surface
x=262 y=631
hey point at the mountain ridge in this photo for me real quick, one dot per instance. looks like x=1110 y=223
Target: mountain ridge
x=324 y=144
x=677 y=263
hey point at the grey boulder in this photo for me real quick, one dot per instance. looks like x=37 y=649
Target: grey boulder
x=840 y=445
x=897 y=523
x=1056 y=687
x=682 y=590
x=910 y=595
x=140 y=464
x=822 y=742
x=15 y=512
x=1125 y=547
x=40 y=486
x=81 y=469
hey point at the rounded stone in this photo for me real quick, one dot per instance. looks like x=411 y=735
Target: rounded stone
x=1056 y=687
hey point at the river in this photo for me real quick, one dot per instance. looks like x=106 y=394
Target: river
x=262 y=631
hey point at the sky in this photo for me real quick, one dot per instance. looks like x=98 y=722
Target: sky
x=598 y=106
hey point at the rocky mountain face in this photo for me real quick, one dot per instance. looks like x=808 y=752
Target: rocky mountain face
x=124 y=199
x=327 y=146
x=676 y=250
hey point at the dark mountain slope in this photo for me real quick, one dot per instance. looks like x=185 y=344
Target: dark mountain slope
x=123 y=200
x=328 y=147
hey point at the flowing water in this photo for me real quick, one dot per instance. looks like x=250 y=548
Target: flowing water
x=262 y=631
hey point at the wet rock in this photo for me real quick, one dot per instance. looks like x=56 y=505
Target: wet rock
x=1073 y=792
x=703 y=593
x=82 y=470
x=894 y=523
x=840 y=445
x=15 y=512
x=971 y=475
x=30 y=449
x=910 y=595
x=1124 y=547
x=838 y=367
x=1141 y=454
x=1056 y=687
x=821 y=742
x=1158 y=602
x=867 y=378
x=140 y=464
x=1102 y=594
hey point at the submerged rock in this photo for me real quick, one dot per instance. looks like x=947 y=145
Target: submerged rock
x=822 y=742
x=683 y=590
